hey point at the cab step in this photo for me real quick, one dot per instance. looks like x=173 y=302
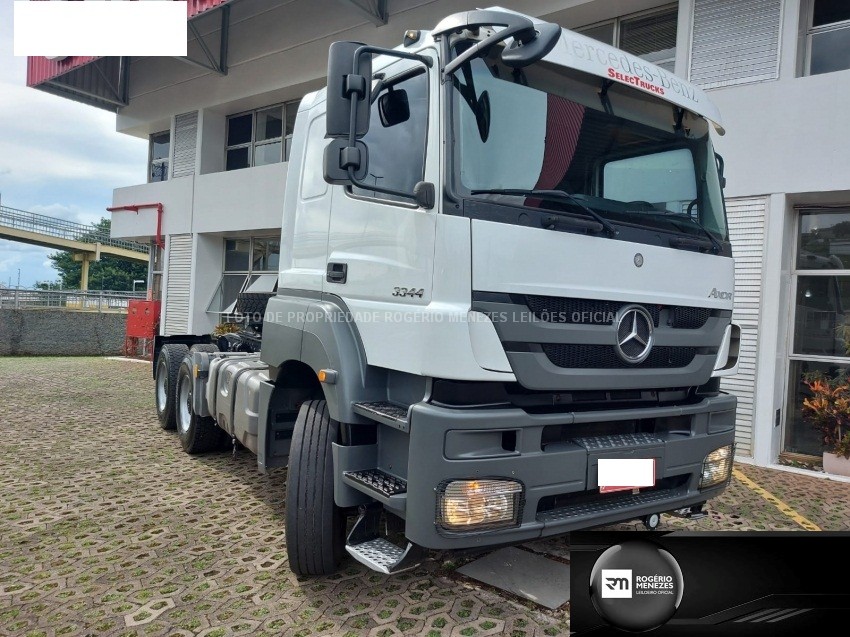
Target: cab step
x=379 y=485
x=384 y=412
x=378 y=553
x=377 y=480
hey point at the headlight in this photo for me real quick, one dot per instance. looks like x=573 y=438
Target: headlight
x=478 y=504
x=717 y=467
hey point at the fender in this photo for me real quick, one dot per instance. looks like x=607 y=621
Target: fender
x=318 y=330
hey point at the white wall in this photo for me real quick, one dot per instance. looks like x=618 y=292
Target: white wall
x=176 y=196
x=787 y=135
x=247 y=199
x=239 y=200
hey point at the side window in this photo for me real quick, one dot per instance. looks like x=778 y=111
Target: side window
x=397 y=135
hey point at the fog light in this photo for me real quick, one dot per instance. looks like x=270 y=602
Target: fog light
x=717 y=467
x=478 y=504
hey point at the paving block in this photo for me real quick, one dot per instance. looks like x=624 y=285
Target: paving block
x=529 y=575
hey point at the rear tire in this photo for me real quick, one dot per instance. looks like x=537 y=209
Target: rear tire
x=197 y=434
x=167 y=366
x=315 y=526
x=204 y=347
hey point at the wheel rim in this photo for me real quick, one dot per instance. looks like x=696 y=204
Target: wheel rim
x=184 y=408
x=161 y=387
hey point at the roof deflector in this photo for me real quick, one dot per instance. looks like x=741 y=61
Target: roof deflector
x=531 y=41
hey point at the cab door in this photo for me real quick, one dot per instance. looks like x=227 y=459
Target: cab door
x=381 y=247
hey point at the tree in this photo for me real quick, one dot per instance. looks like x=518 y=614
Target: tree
x=110 y=273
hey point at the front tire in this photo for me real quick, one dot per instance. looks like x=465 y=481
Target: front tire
x=167 y=366
x=197 y=434
x=315 y=526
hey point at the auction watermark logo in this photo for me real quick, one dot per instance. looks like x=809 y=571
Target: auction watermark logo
x=636 y=586
x=616 y=583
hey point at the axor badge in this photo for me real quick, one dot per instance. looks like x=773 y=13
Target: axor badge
x=636 y=586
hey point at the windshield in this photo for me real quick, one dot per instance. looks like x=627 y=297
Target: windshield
x=628 y=157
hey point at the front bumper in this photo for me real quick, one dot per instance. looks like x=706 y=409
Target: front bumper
x=559 y=478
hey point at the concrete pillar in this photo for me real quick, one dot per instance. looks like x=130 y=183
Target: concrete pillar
x=84 y=276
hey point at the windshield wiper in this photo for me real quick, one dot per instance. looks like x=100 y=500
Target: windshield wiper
x=551 y=195
x=715 y=244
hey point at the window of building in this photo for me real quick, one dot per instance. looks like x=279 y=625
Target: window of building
x=820 y=342
x=651 y=36
x=260 y=137
x=250 y=265
x=160 y=149
x=397 y=144
x=828 y=36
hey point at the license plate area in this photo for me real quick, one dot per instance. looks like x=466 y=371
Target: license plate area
x=625 y=474
x=631 y=448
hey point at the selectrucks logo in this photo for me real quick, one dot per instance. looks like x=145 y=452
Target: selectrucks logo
x=627 y=68
x=636 y=586
x=635 y=81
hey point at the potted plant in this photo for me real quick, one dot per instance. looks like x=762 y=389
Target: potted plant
x=828 y=411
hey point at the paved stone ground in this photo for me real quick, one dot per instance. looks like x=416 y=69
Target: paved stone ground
x=107 y=528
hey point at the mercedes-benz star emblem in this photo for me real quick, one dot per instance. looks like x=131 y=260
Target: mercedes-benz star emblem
x=634 y=334
x=638 y=259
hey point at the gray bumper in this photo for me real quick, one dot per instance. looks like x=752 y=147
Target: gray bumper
x=559 y=478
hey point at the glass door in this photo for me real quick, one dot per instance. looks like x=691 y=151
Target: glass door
x=820 y=341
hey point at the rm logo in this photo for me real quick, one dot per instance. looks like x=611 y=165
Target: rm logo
x=617 y=583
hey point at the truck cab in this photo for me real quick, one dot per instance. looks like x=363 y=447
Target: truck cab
x=505 y=264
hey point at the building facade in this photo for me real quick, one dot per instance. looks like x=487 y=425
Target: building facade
x=220 y=124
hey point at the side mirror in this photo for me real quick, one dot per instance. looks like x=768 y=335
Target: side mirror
x=349 y=105
x=348 y=89
x=394 y=107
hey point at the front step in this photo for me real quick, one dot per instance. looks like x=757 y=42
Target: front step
x=378 y=553
x=378 y=485
x=385 y=413
x=618 y=441
x=377 y=481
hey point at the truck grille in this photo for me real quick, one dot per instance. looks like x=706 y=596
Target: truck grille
x=690 y=318
x=575 y=356
x=590 y=312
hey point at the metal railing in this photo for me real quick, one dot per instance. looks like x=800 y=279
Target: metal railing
x=62 y=229
x=90 y=301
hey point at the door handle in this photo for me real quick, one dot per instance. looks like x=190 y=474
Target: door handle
x=337 y=272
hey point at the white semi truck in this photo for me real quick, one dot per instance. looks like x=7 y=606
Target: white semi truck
x=505 y=262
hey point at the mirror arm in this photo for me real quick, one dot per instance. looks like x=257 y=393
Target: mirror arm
x=483 y=45
x=377 y=50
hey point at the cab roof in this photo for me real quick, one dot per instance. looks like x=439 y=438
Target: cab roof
x=577 y=51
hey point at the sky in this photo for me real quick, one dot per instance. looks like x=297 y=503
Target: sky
x=57 y=157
